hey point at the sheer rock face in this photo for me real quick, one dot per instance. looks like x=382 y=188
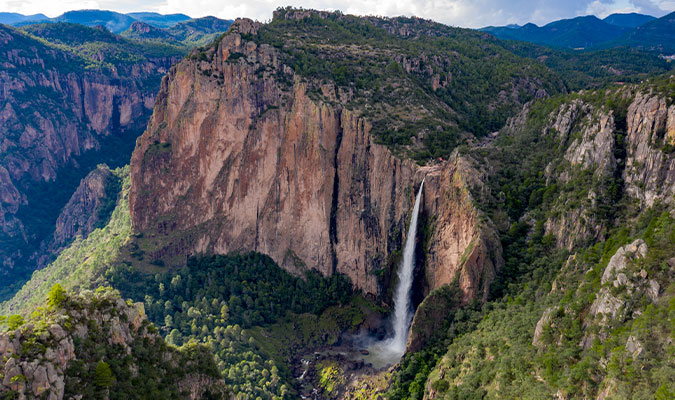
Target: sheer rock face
x=650 y=172
x=53 y=111
x=588 y=138
x=464 y=243
x=238 y=156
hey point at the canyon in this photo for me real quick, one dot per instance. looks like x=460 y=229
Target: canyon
x=233 y=159
x=58 y=120
x=300 y=181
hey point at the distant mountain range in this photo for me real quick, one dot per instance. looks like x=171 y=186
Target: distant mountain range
x=635 y=30
x=9 y=18
x=113 y=21
x=629 y=20
x=192 y=32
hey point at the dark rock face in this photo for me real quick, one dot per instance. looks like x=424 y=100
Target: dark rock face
x=88 y=208
x=79 y=216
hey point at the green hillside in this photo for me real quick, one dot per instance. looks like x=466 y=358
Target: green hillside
x=479 y=83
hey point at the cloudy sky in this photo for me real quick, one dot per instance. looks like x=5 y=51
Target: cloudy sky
x=466 y=13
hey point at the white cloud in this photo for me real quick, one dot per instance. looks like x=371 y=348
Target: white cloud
x=468 y=13
x=49 y=8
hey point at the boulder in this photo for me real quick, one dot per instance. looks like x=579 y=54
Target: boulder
x=623 y=255
x=544 y=321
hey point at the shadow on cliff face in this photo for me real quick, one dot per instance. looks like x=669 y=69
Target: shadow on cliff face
x=45 y=201
x=420 y=288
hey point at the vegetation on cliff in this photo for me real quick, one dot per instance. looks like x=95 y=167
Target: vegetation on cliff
x=423 y=85
x=95 y=345
x=582 y=308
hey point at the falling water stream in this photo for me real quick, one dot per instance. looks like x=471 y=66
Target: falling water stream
x=390 y=350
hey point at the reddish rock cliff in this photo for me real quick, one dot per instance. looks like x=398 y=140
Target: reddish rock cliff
x=239 y=155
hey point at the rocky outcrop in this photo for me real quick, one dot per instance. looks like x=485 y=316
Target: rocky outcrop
x=38 y=355
x=54 y=113
x=617 y=264
x=258 y=163
x=595 y=148
x=586 y=135
x=543 y=322
x=142 y=30
x=608 y=303
x=464 y=244
x=87 y=209
x=650 y=171
x=592 y=139
x=430 y=316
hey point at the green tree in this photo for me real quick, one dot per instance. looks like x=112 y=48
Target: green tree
x=225 y=312
x=56 y=296
x=104 y=375
x=663 y=393
x=14 y=321
x=174 y=338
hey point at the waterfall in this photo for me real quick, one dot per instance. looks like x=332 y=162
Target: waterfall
x=402 y=310
x=389 y=351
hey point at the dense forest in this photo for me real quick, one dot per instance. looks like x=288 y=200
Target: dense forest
x=228 y=302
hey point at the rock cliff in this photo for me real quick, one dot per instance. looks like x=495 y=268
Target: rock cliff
x=87 y=206
x=604 y=152
x=58 y=119
x=96 y=343
x=241 y=154
x=591 y=316
x=650 y=171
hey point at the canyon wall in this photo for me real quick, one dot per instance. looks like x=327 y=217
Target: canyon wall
x=606 y=153
x=58 y=119
x=240 y=154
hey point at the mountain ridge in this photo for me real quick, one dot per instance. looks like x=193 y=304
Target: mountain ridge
x=592 y=32
x=113 y=21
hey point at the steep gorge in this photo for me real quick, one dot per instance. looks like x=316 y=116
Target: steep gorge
x=59 y=118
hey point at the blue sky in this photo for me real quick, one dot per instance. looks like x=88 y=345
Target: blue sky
x=466 y=13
